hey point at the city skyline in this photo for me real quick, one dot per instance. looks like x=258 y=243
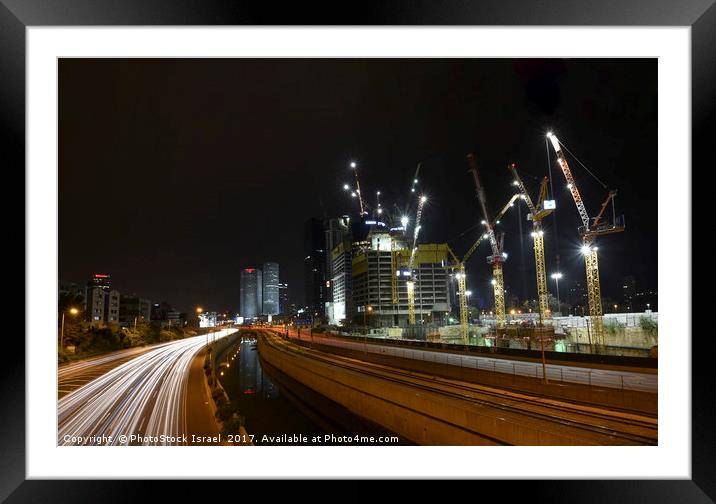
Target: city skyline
x=162 y=148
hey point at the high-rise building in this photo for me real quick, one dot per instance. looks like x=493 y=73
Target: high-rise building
x=101 y=303
x=341 y=306
x=270 y=301
x=338 y=230
x=251 y=293
x=283 y=302
x=372 y=273
x=314 y=265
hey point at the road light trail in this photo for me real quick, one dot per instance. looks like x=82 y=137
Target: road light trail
x=144 y=397
x=76 y=374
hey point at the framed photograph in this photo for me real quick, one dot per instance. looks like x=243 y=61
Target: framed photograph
x=419 y=242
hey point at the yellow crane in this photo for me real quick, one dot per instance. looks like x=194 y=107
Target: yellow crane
x=590 y=229
x=410 y=285
x=459 y=265
x=543 y=208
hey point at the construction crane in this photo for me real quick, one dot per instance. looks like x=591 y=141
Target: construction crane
x=498 y=256
x=363 y=206
x=410 y=284
x=538 y=212
x=590 y=229
x=395 y=253
x=460 y=276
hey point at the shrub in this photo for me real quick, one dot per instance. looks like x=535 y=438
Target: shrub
x=225 y=411
x=649 y=325
x=233 y=425
x=217 y=394
x=613 y=326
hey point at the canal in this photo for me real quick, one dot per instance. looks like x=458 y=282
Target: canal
x=275 y=405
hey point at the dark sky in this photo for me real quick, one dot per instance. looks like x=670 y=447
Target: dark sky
x=174 y=174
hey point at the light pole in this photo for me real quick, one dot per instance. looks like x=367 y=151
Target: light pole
x=367 y=310
x=199 y=311
x=556 y=277
x=73 y=311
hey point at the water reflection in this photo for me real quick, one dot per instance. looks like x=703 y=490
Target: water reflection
x=276 y=405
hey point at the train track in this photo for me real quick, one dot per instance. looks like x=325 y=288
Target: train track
x=597 y=425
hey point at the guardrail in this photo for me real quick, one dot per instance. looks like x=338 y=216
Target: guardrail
x=442 y=353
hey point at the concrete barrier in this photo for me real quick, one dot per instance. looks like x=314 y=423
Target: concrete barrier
x=422 y=415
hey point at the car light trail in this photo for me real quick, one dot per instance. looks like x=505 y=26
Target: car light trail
x=144 y=398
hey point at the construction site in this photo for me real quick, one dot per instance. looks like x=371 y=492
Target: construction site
x=386 y=282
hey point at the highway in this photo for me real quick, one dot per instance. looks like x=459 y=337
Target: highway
x=627 y=380
x=76 y=374
x=140 y=401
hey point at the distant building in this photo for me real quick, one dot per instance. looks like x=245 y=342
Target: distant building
x=628 y=292
x=341 y=306
x=71 y=289
x=645 y=301
x=251 y=293
x=314 y=265
x=132 y=308
x=270 y=289
x=101 y=302
x=283 y=299
x=208 y=319
x=166 y=314
x=577 y=297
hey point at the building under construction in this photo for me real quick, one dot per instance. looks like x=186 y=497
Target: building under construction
x=380 y=275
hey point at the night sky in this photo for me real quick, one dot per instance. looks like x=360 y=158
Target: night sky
x=175 y=174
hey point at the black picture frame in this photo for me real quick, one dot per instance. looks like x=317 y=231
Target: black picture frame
x=700 y=15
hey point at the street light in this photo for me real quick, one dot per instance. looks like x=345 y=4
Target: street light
x=73 y=311
x=556 y=277
x=199 y=311
x=368 y=309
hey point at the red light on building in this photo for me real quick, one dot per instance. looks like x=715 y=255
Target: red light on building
x=100 y=275
x=249 y=270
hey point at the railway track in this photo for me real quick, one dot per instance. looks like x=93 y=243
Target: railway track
x=595 y=425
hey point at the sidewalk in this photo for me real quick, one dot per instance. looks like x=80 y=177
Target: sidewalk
x=200 y=420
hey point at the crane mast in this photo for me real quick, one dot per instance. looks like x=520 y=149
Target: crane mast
x=410 y=285
x=588 y=233
x=363 y=210
x=497 y=257
x=538 y=239
x=461 y=277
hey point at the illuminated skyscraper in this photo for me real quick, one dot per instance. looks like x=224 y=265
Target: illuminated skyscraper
x=270 y=302
x=251 y=293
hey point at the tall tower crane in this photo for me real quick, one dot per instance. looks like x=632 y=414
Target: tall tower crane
x=363 y=208
x=459 y=265
x=537 y=213
x=590 y=229
x=410 y=285
x=498 y=256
